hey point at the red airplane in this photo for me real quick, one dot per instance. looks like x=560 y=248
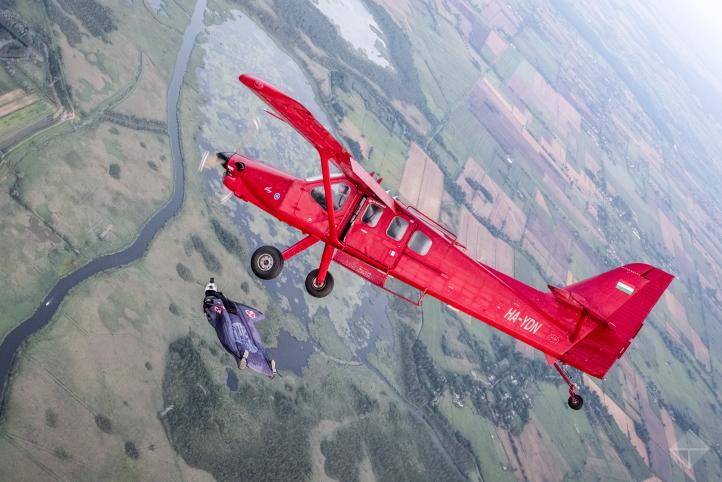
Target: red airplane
x=587 y=325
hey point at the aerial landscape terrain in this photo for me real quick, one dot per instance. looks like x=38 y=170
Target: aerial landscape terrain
x=557 y=139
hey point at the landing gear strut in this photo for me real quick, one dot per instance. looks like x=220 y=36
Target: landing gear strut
x=575 y=401
x=319 y=282
x=267 y=263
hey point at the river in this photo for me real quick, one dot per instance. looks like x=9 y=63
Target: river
x=47 y=308
x=291 y=353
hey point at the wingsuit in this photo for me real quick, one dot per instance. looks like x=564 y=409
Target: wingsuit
x=235 y=325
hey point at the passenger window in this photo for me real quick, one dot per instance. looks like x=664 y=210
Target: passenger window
x=419 y=243
x=372 y=215
x=340 y=192
x=397 y=228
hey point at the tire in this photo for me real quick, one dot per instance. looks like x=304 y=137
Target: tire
x=267 y=262
x=318 y=291
x=576 y=402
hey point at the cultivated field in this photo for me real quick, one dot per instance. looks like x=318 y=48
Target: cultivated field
x=422 y=184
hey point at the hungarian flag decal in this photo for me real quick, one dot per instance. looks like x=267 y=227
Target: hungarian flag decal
x=625 y=288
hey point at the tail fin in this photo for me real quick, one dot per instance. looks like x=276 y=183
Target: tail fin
x=619 y=300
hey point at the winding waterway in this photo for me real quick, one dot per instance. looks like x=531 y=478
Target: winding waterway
x=47 y=308
x=291 y=353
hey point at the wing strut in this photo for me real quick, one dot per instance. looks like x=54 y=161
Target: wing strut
x=329 y=201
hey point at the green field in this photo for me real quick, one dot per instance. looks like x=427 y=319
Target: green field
x=25 y=117
x=389 y=150
x=445 y=66
x=69 y=210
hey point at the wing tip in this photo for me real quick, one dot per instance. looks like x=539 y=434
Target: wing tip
x=253 y=83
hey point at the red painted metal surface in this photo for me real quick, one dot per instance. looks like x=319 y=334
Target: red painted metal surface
x=587 y=325
x=296 y=115
x=361 y=268
x=299 y=247
x=329 y=210
x=326 y=258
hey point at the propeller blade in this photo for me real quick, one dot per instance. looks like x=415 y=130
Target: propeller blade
x=226 y=198
x=202 y=165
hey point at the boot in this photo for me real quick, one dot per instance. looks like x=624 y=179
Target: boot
x=243 y=362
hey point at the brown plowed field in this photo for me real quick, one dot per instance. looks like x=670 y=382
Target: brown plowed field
x=501 y=211
x=483 y=246
x=422 y=184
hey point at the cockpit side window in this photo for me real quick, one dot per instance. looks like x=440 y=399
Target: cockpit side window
x=340 y=190
x=397 y=228
x=372 y=215
x=419 y=243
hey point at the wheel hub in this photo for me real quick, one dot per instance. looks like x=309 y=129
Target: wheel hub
x=265 y=262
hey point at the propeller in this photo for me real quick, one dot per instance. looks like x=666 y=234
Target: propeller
x=222 y=158
x=202 y=165
x=225 y=198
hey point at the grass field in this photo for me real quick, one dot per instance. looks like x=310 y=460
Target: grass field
x=467 y=138
x=534 y=47
x=97 y=318
x=25 y=117
x=444 y=63
x=389 y=150
x=14 y=100
x=482 y=434
x=89 y=212
x=81 y=219
x=7 y=83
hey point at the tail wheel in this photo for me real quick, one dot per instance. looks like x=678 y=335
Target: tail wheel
x=267 y=262
x=314 y=289
x=575 y=402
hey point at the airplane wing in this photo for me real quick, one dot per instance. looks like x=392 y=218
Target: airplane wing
x=297 y=116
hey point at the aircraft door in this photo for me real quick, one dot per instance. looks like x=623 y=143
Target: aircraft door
x=379 y=234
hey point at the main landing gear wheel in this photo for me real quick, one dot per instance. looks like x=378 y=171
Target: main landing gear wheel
x=319 y=291
x=267 y=262
x=575 y=402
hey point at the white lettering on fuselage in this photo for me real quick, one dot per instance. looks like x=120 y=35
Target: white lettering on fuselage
x=526 y=323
